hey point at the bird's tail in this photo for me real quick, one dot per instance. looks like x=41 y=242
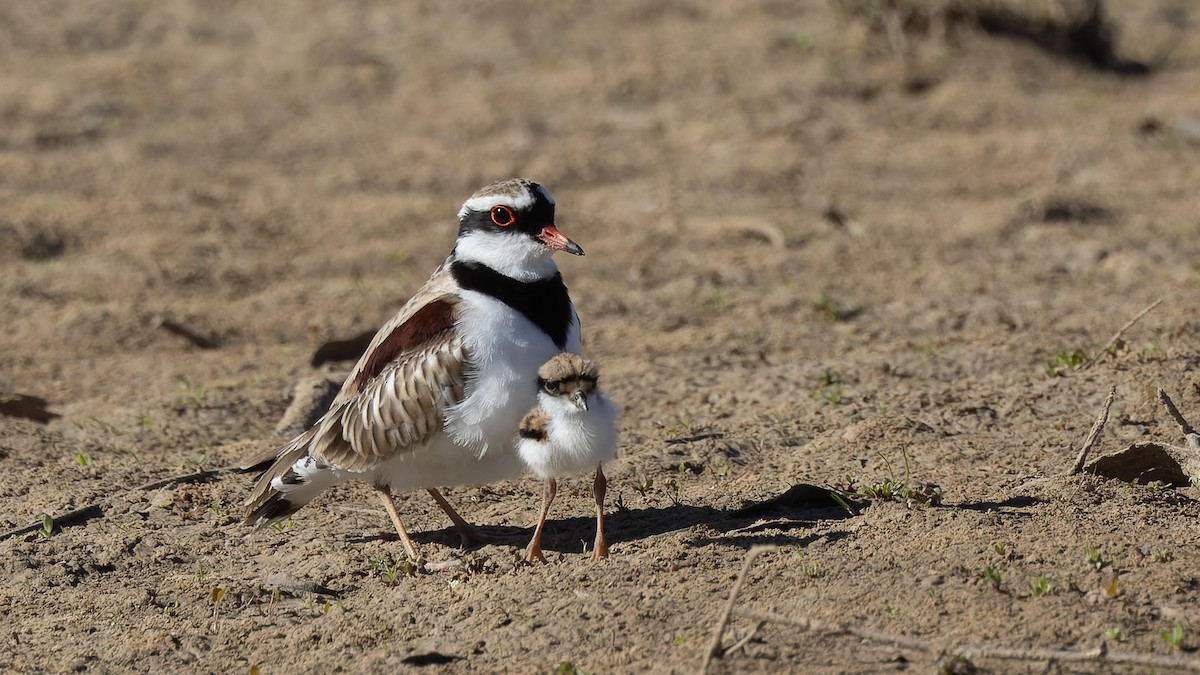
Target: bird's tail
x=290 y=482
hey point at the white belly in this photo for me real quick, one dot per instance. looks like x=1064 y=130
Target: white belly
x=478 y=445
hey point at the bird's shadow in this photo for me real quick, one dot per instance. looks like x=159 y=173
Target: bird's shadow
x=787 y=519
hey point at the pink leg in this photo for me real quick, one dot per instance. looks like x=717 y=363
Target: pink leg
x=599 y=488
x=534 y=550
x=385 y=493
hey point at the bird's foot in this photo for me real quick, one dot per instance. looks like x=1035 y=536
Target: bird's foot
x=534 y=552
x=600 y=550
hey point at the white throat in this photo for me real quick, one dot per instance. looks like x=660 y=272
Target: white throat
x=513 y=255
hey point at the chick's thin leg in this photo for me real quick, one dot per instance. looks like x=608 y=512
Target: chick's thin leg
x=599 y=489
x=534 y=550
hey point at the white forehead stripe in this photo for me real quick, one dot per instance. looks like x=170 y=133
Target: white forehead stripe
x=484 y=203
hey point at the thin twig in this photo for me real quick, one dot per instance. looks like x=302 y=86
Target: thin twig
x=1174 y=413
x=1094 y=435
x=714 y=645
x=1104 y=351
x=703 y=435
x=191 y=477
x=1189 y=433
x=819 y=626
x=744 y=640
x=176 y=328
x=1099 y=653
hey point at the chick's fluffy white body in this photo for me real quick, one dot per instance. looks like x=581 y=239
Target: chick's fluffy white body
x=576 y=440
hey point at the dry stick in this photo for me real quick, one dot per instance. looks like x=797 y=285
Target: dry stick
x=1189 y=433
x=703 y=435
x=1100 y=653
x=1117 y=336
x=1174 y=413
x=714 y=645
x=745 y=639
x=1094 y=435
x=191 y=477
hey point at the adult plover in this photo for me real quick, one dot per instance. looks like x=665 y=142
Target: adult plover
x=438 y=395
x=572 y=429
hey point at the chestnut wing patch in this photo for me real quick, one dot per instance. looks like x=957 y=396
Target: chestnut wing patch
x=420 y=328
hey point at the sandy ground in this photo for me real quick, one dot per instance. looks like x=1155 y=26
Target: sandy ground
x=832 y=262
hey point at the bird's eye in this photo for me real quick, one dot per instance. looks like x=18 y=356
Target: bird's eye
x=551 y=388
x=503 y=216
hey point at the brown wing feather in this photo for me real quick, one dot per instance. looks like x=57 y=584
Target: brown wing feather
x=428 y=311
x=420 y=338
x=398 y=410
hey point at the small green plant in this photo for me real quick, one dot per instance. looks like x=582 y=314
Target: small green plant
x=218 y=508
x=1063 y=362
x=1174 y=637
x=585 y=548
x=393 y=569
x=106 y=426
x=198 y=461
x=200 y=573
x=568 y=668
x=47 y=526
x=829 y=388
x=1096 y=558
x=1040 y=586
x=84 y=459
x=1162 y=555
x=993 y=576
x=282 y=526
x=1000 y=549
x=890 y=611
x=643 y=484
x=1115 y=634
x=812 y=570
x=146 y=420
x=830 y=309
x=199 y=394
x=681 y=428
x=679 y=640
x=892 y=489
x=170 y=609
x=674 y=490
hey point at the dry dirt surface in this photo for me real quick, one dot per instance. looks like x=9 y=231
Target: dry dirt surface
x=823 y=248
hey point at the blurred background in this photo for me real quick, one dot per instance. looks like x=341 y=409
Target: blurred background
x=821 y=232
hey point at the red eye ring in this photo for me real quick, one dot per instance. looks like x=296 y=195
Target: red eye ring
x=503 y=216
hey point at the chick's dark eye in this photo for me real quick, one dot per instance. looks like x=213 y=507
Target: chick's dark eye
x=503 y=216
